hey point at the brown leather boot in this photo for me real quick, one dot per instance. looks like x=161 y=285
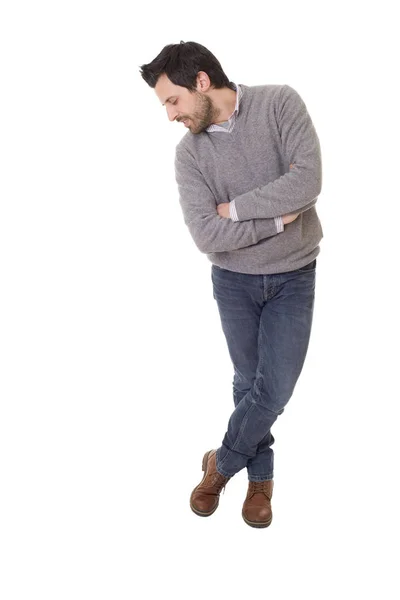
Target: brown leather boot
x=205 y=496
x=257 y=506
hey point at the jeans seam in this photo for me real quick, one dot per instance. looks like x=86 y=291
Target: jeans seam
x=259 y=368
x=243 y=425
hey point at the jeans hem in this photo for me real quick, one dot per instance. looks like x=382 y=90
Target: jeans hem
x=261 y=477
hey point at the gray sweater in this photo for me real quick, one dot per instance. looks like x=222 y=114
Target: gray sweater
x=250 y=166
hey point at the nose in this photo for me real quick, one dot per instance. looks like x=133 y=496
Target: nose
x=172 y=113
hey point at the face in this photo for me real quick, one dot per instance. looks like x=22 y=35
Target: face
x=195 y=109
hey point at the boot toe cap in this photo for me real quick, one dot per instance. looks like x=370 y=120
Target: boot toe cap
x=203 y=503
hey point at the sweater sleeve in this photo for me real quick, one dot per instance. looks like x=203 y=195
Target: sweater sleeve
x=232 y=213
x=298 y=189
x=210 y=232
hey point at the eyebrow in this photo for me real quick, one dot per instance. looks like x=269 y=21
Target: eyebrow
x=168 y=99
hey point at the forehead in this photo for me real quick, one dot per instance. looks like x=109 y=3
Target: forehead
x=165 y=89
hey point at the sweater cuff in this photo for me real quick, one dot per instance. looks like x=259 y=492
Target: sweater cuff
x=264 y=228
x=234 y=217
x=232 y=211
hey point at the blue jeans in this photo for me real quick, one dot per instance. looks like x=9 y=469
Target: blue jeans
x=267 y=321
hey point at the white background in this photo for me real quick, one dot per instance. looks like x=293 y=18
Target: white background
x=115 y=375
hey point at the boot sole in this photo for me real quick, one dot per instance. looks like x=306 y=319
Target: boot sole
x=204 y=468
x=257 y=524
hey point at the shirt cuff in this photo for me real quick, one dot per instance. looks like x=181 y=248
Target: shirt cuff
x=232 y=211
x=279 y=224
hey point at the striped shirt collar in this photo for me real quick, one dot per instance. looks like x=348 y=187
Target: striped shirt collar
x=232 y=118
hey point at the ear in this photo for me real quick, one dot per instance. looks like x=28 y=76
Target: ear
x=203 y=82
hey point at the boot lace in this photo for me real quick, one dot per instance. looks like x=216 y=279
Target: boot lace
x=219 y=482
x=258 y=487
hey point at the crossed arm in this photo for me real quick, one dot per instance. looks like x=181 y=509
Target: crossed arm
x=210 y=232
x=296 y=191
x=224 y=211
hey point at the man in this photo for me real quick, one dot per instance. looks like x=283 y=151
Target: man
x=249 y=173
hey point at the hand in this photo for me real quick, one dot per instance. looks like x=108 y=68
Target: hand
x=289 y=218
x=223 y=210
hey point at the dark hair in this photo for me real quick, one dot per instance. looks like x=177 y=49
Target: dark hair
x=181 y=63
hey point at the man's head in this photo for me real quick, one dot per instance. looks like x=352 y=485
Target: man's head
x=186 y=78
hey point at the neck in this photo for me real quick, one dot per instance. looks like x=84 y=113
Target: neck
x=224 y=101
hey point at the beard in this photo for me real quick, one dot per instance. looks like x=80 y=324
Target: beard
x=205 y=113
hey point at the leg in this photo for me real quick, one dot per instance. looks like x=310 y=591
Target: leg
x=240 y=302
x=284 y=333
x=261 y=467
